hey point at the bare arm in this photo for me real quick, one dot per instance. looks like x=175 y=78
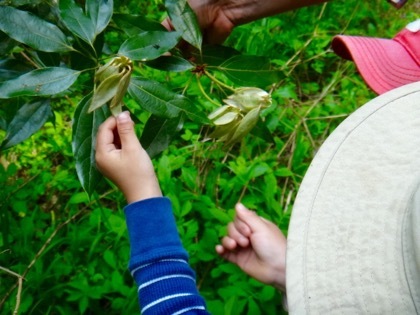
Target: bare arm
x=217 y=18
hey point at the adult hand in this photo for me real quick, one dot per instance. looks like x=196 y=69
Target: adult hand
x=217 y=18
x=257 y=246
x=121 y=158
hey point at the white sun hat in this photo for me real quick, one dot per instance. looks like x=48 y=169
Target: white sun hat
x=354 y=235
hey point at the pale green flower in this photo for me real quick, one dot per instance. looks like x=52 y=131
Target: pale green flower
x=111 y=84
x=239 y=115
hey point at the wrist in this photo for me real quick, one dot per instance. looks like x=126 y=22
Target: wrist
x=142 y=190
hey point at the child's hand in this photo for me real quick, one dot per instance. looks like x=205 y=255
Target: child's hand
x=257 y=246
x=121 y=158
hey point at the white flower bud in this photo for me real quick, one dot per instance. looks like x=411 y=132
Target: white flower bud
x=248 y=98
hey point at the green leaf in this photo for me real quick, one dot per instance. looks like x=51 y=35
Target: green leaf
x=32 y=31
x=215 y=55
x=12 y=68
x=149 y=45
x=185 y=21
x=154 y=97
x=46 y=81
x=100 y=13
x=250 y=71
x=76 y=21
x=170 y=63
x=160 y=101
x=189 y=109
x=134 y=24
x=159 y=132
x=27 y=120
x=261 y=131
x=85 y=128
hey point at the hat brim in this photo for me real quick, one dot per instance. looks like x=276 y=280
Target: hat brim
x=344 y=241
x=384 y=64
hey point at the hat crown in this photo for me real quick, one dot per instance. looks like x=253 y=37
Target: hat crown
x=409 y=37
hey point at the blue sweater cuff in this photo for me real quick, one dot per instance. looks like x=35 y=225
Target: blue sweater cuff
x=152 y=232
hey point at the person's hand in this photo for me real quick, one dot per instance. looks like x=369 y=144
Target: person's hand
x=257 y=246
x=121 y=158
x=217 y=18
x=214 y=20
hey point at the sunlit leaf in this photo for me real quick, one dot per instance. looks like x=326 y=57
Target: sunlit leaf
x=135 y=24
x=250 y=71
x=149 y=45
x=46 y=81
x=28 y=119
x=85 y=128
x=76 y=21
x=159 y=132
x=185 y=21
x=100 y=13
x=32 y=31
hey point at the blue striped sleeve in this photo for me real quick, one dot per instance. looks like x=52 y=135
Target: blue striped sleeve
x=158 y=261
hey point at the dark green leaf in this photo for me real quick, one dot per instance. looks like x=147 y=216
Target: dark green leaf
x=46 y=81
x=12 y=68
x=6 y=43
x=149 y=45
x=32 y=31
x=100 y=13
x=135 y=24
x=170 y=63
x=154 y=97
x=27 y=120
x=46 y=59
x=215 y=55
x=185 y=21
x=159 y=132
x=85 y=128
x=190 y=110
x=250 y=71
x=261 y=131
x=76 y=21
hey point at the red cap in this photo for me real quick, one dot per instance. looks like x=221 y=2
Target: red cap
x=384 y=64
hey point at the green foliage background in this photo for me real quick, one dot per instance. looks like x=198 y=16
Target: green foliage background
x=72 y=251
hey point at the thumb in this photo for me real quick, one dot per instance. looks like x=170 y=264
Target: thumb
x=125 y=127
x=250 y=218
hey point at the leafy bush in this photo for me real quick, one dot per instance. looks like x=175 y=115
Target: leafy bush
x=62 y=252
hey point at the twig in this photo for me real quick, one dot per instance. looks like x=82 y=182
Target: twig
x=30 y=60
x=19 y=285
x=34 y=260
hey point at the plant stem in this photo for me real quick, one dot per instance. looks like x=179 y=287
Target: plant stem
x=218 y=82
x=204 y=92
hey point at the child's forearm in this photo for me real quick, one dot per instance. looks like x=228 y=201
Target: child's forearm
x=158 y=262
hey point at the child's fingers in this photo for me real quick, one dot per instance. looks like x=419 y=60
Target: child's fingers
x=105 y=135
x=249 y=220
x=235 y=234
x=125 y=125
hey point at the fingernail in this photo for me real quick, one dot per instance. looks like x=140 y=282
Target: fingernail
x=241 y=207
x=124 y=117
